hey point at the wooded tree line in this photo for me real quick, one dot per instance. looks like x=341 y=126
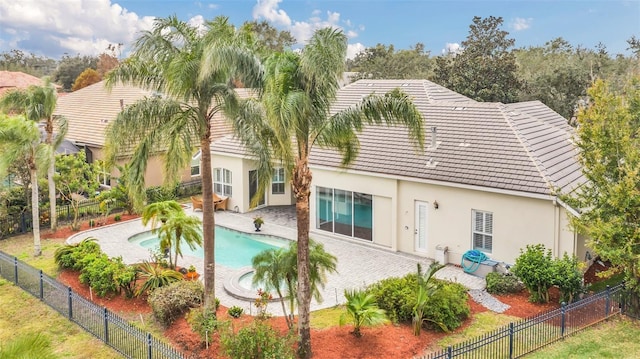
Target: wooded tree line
x=488 y=67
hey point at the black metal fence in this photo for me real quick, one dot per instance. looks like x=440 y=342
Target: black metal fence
x=14 y=225
x=527 y=335
x=114 y=331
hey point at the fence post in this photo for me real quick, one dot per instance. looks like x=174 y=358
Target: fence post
x=41 y=286
x=449 y=352
x=106 y=326
x=562 y=323
x=69 y=299
x=15 y=270
x=607 y=302
x=510 y=340
x=149 y=356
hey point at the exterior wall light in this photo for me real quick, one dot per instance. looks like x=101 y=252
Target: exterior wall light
x=435 y=204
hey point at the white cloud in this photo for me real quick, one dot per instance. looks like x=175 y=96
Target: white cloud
x=451 y=48
x=301 y=30
x=354 y=49
x=519 y=24
x=197 y=22
x=83 y=27
x=268 y=9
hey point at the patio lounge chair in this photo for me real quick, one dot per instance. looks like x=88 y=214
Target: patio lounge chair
x=219 y=202
x=196 y=203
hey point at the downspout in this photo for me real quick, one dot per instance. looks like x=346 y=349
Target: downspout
x=556 y=229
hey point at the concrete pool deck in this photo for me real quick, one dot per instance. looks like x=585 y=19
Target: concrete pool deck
x=358 y=264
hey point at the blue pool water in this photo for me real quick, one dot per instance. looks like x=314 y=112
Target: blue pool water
x=233 y=249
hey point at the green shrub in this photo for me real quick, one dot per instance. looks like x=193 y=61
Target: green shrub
x=204 y=322
x=69 y=255
x=235 y=311
x=256 y=341
x=397 y=296
x=568 y=277
x=160 y=194
x=169 y=302
x=534 y=267
x=106 y=275
x=155 y=276
x=447 y=306
x=117 y=218
x=498 y=283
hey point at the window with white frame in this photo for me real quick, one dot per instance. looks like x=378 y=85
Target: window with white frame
x=195 y=164
x=222 y=182
x=482 y=230
x=104 y=177
x=277 y=181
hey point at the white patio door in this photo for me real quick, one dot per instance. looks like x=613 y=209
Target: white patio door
x=421 y=226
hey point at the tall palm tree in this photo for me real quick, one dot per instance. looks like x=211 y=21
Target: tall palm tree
x=294 y=114
x=177 y=228
x=20 y=138
x=171 y=60
x=37 y=103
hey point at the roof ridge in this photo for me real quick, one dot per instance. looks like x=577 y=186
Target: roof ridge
x=540 y=167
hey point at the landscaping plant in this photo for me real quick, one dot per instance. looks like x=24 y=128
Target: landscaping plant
x=256 y=341
x=155 y=276
x=169 y=302
x=69 y=255
x=499 y=283
x=568 y=277
x=426 y=288
x=235 y=311
x=534 y=267
x=204 y=322
x=361 y=310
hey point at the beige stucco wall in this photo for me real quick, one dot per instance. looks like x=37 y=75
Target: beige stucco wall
x=240 y=181
x=517 y=221
x=154 y=176
x=383 y=192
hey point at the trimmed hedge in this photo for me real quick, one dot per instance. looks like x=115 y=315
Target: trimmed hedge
x=171 y=301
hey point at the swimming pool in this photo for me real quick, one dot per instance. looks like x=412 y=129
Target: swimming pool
x=234 y=249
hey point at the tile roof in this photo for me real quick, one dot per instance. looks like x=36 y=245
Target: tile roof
x=18 y=80
x=524 y=147
x=89 y=110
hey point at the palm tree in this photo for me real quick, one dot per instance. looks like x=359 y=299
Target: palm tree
x=161 y=212
x=191 y=69
x=273 y=269
x=177 y=228
x=20 y=138
x=277 y=267
x=362 y=309
x=294 y=114
x=37 y=103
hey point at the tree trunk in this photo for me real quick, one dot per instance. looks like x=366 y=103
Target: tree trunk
x=208 y=225
x=53 y=215
x=35 y=213
x=302 y=189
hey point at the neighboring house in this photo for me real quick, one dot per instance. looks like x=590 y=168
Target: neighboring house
x=90 y=110
x=485 y=180
x=11 y=80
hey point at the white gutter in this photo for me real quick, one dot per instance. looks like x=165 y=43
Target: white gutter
x=569 y=209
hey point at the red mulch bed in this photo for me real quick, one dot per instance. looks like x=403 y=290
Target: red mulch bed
x=388 y=341
x=65 y=231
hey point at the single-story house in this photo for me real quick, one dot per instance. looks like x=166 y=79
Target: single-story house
x=89 y=111
x=487 y=178
x=12 y=80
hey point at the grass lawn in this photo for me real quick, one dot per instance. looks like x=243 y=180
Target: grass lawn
x=22 y=314
x=616 y=338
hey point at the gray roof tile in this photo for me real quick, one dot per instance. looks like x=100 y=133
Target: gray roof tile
x=522 y=147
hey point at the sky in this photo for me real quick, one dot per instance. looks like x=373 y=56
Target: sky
x=53 y=28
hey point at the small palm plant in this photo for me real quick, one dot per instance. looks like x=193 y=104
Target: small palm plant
x=426 y=289
x=362 y=310
x=154 y=277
